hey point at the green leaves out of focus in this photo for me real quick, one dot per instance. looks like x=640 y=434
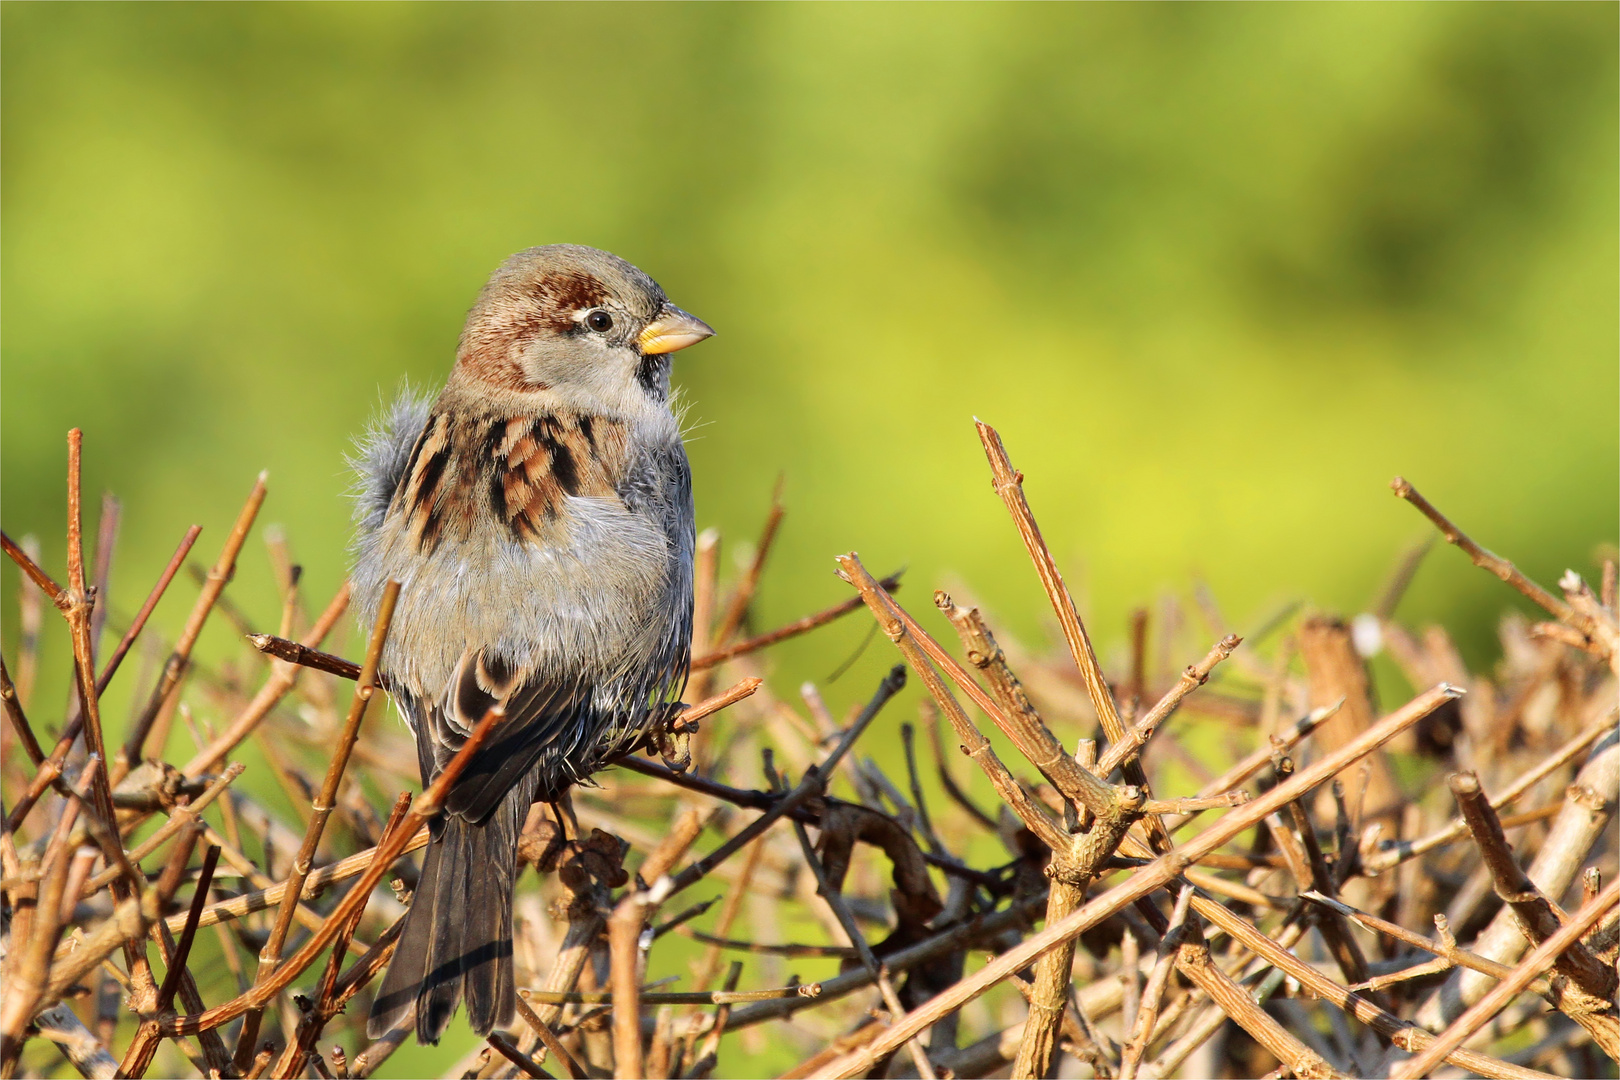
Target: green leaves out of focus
x=1217 y=273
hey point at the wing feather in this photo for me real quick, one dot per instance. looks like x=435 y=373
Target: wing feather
x=540 y=712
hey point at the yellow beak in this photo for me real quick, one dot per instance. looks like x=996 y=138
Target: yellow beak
x=673 y=329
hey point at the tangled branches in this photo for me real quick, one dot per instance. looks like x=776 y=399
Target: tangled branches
x=1313 y=925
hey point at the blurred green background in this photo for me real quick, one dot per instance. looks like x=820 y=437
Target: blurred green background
x=1216 y=272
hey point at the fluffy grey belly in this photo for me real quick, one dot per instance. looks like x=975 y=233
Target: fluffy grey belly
x=595 y=607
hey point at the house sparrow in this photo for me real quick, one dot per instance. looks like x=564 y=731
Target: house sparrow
x=539 y=517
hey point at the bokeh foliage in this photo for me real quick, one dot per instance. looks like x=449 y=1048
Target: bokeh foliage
x=1216 y=272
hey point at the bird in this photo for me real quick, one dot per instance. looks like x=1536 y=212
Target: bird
x=538 y=515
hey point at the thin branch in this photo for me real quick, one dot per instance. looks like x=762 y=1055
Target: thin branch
x=18 y=721
x=709 y=997
x=1260 y=758
x=840 y=952
x=979 y=928
x=792 y=629
x=1598 y=629
x=79 y=612
x=810 y=785
x=295 y=652
x=1503 y=993
x=745 y=589
x=549 y=1039
x=1191 y=679
x=280 y=681
x=925 y=825
x=1400 y=579
x=53 y=592
x=182 y=951
x=1009 y=485
x=1389 y=857
x=1446 y=949
x=525 y=1064
x=179 y=660
x=110 y=669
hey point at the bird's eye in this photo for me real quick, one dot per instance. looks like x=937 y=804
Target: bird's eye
x=600 y=321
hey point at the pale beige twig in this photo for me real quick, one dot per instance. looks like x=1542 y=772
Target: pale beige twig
x=1498 y=998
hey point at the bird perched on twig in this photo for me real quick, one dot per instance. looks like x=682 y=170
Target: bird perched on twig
x=539 y=517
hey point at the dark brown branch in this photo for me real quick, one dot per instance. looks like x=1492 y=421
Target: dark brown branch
x=712 y=997
x=811 y=785
x=549 y=1039
x=517 y=1057
x=53 y=592
x=297 y=653
x=839 y=951
x=19 y=721
x=182 y=950
x=1531 y=908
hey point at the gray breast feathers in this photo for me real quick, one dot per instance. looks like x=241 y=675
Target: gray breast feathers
x=564 y=549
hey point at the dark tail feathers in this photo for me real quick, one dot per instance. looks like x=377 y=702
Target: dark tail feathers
x=457 y=939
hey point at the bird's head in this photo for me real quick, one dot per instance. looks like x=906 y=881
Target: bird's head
x=578 y=322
